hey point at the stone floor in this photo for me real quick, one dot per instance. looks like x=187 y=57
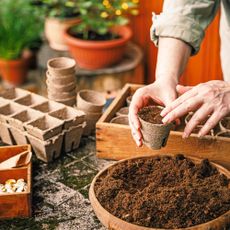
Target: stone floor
x=60 y=192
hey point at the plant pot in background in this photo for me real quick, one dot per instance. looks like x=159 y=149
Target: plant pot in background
x=13 y=71
x=54 y=31
x=91 y=54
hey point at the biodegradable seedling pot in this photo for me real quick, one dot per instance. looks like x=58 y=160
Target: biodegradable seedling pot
x=155 y=135
x=128 y=100
x=70 y=116
x=19 y=136
x=61 y=66
x=225 y=124
x=45 y=128
x=111 y=221
x=61 y=80
x=124 y=111
x=31 y=99
x=47 y=150
x=55 y=88
x=90 y=101
x=72 y=138
x=20 y=119
x=91 y=120
x=9 y=110
x=122 y=120
x=48 y=107
x=68 y=102
x=61 y=95
x=5 y=134
x=14 y=93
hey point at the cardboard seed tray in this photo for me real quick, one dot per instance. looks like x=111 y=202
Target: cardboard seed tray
x=114 y=141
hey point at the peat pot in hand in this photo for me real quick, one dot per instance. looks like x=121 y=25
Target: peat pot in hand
x=91 y=54
x=155 y=133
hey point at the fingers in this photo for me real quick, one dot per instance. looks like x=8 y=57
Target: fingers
x=189 y=105
x=211 y=123
x=182 y=89
x=178 y=101
x=200 y=115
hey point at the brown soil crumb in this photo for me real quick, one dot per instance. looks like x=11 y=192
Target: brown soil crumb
x=164 y=192
x=151 y=114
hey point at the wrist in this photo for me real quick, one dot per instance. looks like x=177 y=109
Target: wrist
x=169 y=79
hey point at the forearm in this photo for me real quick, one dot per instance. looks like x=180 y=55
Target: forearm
x=173 y=56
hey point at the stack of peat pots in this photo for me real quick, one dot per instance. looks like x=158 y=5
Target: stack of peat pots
x=61 y=82
x=91 y=103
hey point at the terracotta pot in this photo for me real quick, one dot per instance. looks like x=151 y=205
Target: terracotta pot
x=54 y=31
x=155 y=136
x=98 y=54
x=90 y=101
x=114 y=223
x=122 y=120
x=13 y=71
x=61 y=66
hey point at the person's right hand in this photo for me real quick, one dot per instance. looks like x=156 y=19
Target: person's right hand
x=161 y=92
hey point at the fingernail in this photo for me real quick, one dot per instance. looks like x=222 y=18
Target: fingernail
x=164 y=120
x=162 y=113
x=200 y=134
x=185 y=135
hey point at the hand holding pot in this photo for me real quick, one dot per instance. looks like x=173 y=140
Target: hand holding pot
x=210 y=98
x=161 y=91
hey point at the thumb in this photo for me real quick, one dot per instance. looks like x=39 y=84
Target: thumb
x=182 y=89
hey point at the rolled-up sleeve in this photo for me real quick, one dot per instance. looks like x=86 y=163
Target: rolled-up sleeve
x=185 y=20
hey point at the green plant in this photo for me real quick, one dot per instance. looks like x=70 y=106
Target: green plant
x=21 y=24
x=100 y=16
x=60 y=8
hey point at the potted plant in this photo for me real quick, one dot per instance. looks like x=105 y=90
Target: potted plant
x=61 y=14
x=21 y=24
x=100 y=38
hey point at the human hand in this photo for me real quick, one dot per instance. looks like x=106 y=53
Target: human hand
x=160 y=91
x=210 y=98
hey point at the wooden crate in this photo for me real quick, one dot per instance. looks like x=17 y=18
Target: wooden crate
x=114 y=141
x=15 y=204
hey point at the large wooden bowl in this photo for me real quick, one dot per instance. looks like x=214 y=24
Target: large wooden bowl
x=113 y=223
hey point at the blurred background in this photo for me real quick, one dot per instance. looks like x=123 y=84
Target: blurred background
x=34 y=31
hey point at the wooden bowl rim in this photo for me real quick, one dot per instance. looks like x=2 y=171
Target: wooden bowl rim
x=93 y=198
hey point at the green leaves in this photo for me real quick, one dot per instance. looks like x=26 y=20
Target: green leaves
x=20 y=26
x=100 y=16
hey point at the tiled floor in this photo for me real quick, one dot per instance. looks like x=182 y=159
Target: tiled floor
x=60 y=192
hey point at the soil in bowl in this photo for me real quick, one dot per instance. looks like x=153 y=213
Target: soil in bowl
x=164 y=192
x=151 y=115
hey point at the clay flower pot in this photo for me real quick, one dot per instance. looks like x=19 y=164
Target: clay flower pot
x=90 y=101
x=98 y=54
x=155 y=133
x=111 y=221
x=54 y=31
x=124 y=111
x=13 y=71
x=122 y=120
x=61 y=66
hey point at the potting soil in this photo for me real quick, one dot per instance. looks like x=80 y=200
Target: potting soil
x=151 y=114
x=164 y=192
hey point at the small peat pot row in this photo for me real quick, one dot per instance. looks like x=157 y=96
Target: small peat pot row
x=162 y=192
x=92 y=104
x=61 y=82
x=50 y=127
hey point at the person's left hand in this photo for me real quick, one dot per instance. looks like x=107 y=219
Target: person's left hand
x=210 y=98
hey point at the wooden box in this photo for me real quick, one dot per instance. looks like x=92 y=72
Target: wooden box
x=15 y=204
x=114 y=141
